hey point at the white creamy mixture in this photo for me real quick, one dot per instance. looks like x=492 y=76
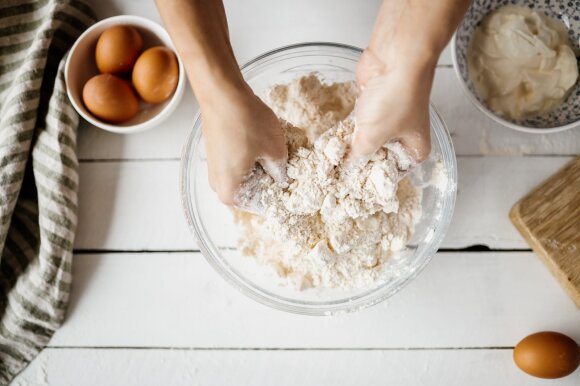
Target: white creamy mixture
x=331 y=225
x=521 y=62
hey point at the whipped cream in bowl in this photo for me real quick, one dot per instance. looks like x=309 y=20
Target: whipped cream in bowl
x=333 y=238
x=521 y=62
x=518 y=63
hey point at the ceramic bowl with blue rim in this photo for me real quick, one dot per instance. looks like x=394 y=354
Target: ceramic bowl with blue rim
x=568 y=12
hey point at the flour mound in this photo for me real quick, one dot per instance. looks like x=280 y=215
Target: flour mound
x=311 y=105
x=331 y=224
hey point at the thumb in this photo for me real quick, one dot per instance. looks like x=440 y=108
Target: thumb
x=417 y=145
x=276 y=168
x=363 y=146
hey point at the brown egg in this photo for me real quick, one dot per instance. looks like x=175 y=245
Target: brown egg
x=110 y=98
x=547 y=355
x=155 y=74
x=117 y=49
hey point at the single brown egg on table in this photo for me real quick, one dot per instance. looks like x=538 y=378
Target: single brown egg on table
x=117 y=49
x=155 y=74
x=547 y=354
x=110 y=98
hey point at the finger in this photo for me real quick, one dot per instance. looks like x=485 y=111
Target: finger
x=227 y=189
x=231 y=174
x=211 y=180
x=274 y=157
x=417 y=144
x=275 y=168
x=247 y=195
x=362 y=147
x=274 y=160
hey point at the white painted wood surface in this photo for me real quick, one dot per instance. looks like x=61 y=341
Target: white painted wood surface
x=136 y=205
x=473 y=133
x=177 y=300
x=256 y=27
x=280 y=368
x=166 y=317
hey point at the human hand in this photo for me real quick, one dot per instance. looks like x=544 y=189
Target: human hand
x=393 y=106
x=396 y=74
x=239 y=131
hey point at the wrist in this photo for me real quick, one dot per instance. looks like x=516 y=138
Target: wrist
x=217 y=83
x=409 y=53
x=418 y=65
x=229 y=99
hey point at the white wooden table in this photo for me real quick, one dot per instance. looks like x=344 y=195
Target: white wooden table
x=148 y=310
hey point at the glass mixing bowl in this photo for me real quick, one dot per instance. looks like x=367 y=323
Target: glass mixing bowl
x=212 y=222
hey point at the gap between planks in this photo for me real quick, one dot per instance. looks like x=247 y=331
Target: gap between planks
x=279 y=348
x=119 y=160
x=176 y=159
x=470 y=249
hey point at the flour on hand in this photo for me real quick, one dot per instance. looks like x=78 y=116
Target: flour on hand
x=331 y=224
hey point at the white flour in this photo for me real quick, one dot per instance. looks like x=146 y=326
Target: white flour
x=332 y=224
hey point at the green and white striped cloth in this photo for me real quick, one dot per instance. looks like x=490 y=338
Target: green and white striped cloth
x=38 y=174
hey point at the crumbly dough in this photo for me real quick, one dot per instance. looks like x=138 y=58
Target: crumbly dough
x=312 y=106
x=331 y=224
x=521 y=62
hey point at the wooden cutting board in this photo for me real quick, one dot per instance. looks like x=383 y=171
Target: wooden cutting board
x=549 y=220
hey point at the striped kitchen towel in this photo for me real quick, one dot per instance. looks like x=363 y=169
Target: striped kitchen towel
x=38 y=174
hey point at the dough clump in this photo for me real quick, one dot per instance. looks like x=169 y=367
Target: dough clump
x=331 y=224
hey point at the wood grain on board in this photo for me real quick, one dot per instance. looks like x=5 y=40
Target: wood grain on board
x=549 y=220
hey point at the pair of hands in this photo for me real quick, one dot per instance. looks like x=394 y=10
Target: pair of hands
x=393 y=105
x=395 y=75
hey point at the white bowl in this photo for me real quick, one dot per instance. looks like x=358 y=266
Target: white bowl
x=80 y=66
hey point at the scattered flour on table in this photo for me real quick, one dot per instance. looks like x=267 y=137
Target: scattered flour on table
x=331 y=224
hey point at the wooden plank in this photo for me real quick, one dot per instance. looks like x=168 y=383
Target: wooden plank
x=162 y=142
x=473 y=133
x=254 y=32
x=255 y=27
x=549 y=220
x=177 y=300
x=487 y=189
x=131 y=206
x=282 y=368
x=136 y=205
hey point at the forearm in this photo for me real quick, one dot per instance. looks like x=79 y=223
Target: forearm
x=408 y=31
x=199 y=31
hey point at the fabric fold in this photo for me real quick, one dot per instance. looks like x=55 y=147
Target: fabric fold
x=38 y=174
